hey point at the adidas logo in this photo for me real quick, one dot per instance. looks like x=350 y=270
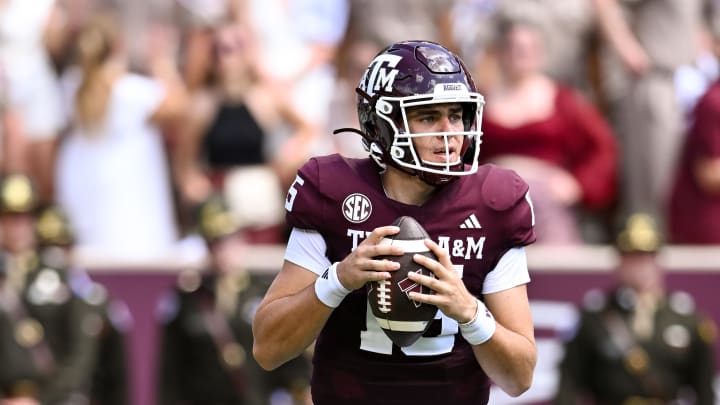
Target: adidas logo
x=471 y=222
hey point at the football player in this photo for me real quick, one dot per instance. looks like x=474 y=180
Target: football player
x=420 y=115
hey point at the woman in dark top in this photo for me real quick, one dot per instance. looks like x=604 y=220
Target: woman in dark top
x=227 y=142
x=234 y=138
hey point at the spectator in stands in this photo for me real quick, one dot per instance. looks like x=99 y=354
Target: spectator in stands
x=197 y=21
x=298 y=42
x=386 y=22
x=11 y=137
x=352 y=61
x=694 y=209
x=26 y=31
x=693 y=79
x=644 y=42
x=206 y=347
x=567 y=26
x=550 y=134
x=639 y=343
x=224 y=144
x=112 y=175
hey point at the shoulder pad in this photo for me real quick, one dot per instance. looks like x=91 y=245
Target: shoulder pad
x=315 y=186
x=682 y=303
x=594 y=300
x=502 y=188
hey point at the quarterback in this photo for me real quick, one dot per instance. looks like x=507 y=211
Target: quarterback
x=420 y=117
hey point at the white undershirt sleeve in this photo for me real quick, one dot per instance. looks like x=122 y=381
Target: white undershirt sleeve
x=307 y=249
x=511 y=271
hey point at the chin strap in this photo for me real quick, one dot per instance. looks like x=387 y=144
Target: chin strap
x=365 y=139
x=353 y=130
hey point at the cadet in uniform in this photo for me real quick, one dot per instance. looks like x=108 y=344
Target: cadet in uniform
x=206 y=354
x=637 y=344
x=55 y=241
x=49 y=336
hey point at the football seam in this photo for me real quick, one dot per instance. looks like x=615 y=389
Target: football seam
x=384 y=296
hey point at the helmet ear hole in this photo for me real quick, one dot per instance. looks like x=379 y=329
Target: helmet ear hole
x=384 y=107
x=397 y=152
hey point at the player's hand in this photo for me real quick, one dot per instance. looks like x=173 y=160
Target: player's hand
x=451 y=296
x=360 y=266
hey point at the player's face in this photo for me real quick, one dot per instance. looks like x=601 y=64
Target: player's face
x=437 y=118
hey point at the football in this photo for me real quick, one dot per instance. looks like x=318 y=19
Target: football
x=403 y=320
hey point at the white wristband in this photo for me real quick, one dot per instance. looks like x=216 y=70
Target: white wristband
x=481 y=328
x=328 y=288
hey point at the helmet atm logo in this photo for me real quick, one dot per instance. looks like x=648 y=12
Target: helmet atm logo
x=378 y=75
x=356 y=208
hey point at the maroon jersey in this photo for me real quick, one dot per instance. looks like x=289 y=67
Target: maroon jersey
x=476 y=219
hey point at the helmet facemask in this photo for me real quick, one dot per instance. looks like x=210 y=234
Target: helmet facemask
x=401 y=149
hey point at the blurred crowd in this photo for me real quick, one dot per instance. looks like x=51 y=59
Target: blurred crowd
x=129 y=117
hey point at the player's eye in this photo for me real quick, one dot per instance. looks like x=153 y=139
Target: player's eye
x=424 y=118
x=428 y=119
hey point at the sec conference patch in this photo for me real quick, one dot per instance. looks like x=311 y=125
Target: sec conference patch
x=357 y=208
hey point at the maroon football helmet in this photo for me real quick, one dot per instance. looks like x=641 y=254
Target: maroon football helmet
x=414 y=73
